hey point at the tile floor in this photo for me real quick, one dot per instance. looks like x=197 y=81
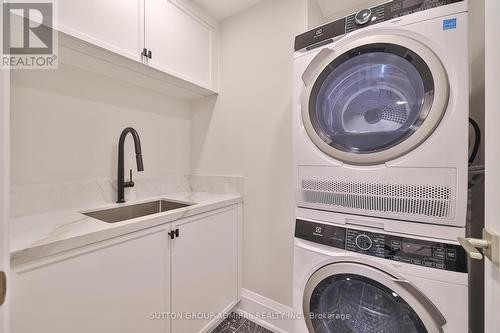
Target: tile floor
x=238 y=324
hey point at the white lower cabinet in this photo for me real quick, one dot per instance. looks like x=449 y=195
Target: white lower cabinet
x=112 y=286
x=135 y=283
x=204 y=269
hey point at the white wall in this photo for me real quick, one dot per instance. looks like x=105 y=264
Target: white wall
x=248 y=131
x=492 y=191
x=315 y=16
x=65 y=127
x=4 y=184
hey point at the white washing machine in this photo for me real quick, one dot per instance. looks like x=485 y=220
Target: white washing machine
x=381 y=107
x=365 y=281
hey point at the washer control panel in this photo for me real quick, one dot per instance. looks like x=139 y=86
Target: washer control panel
x=408 y=250
x=369 y=16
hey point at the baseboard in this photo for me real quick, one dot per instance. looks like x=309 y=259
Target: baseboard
x=265 y=312
x=214 y=323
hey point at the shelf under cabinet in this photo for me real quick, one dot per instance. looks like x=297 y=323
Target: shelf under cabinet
x=93 y=58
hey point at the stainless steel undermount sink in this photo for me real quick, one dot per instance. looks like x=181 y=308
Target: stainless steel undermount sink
x=124 y=213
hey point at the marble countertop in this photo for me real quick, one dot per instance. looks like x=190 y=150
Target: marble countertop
x=40 y=235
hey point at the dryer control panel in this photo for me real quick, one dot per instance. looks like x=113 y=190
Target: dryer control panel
x=407 y=250
x=369 y=16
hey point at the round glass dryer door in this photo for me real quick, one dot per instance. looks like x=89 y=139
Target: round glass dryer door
x=376 y=102
x=351 y=297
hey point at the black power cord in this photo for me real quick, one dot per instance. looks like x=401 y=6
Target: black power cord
x=477 y=140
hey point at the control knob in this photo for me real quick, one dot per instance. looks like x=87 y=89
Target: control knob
x=363 y=16
x=363 y=242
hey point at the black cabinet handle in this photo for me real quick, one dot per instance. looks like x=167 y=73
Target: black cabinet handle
x=144 y=52
x=150 y=54
x=174 y=234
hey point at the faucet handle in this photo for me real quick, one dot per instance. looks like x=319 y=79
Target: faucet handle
x=131 y=180
x=130 y=183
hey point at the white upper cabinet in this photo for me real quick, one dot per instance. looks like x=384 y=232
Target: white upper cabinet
x=116 y=25
x=180 y=42
x=181 y=37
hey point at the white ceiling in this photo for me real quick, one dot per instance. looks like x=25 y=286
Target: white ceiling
x=222 y=9
x=340 y=8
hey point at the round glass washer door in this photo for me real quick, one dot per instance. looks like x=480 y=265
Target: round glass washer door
x=355 y=298
x=375 y=101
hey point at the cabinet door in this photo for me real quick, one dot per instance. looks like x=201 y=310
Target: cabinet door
x=115 y=286
x=117 y=25
x=181 y=44
x=204 y=269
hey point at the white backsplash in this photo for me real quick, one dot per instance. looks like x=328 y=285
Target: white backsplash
x=217 y=184
x=34 y=199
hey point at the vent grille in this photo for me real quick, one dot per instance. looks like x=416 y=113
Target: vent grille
x=423 y=200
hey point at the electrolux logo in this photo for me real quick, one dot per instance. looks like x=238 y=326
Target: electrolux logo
x=28 y=35
x=318 y=33
x=318 y=231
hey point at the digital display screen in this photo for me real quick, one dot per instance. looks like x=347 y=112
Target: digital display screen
x=418 y=249
x=411 y=3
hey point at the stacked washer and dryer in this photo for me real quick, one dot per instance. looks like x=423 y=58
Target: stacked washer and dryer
x=381 y=142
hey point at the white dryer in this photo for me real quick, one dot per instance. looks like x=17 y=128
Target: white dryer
x=381 y=113
x=362 y=280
